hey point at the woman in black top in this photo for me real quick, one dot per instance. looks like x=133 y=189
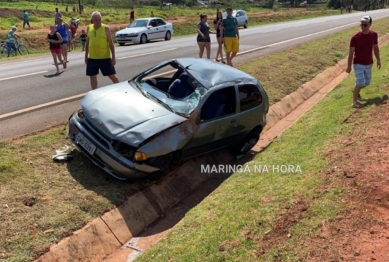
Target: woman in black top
x=218 y=23
x=54 y=38
x=203 y=39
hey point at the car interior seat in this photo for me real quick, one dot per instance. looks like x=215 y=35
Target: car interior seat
x=180 y=87
x=214 y=106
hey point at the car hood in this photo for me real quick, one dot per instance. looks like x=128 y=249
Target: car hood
x=133 y=30
x=121 y=112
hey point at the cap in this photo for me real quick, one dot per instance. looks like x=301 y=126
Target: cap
x=13 y=27
x=366 y=19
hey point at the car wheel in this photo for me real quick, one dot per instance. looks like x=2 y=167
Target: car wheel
x=161 y=162
x=247 y=143
x=246 y=24
x=143 y=39
x=168 y=36
x=121 y=44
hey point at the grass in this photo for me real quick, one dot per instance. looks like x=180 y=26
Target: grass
x=184 y=18
x=274 y=216
x=66 y=196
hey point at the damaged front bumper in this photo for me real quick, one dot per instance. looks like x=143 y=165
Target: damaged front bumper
x=99 y=149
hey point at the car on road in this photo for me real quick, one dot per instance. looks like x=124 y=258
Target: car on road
x=241 y=17
x=173 y=111
x=143 y=30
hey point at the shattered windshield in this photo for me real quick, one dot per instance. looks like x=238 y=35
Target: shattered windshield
x=138 y=23
x=157 y=90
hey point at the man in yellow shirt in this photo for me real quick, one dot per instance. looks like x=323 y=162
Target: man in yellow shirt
x=99 y=51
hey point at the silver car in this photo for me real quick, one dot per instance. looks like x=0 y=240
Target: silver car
x=241 y=17
x=176 y=110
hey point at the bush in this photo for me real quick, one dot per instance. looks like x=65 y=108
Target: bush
x=155 y=3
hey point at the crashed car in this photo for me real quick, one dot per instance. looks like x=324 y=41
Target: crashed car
x=178 y=109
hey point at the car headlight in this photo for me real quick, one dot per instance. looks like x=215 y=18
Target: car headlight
x=140 y=156
x=133 y=34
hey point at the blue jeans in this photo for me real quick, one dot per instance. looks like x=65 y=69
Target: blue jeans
x=11 y=47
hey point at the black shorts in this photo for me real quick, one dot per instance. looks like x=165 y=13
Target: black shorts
x=26 y=22
x=105 y=66
x=202 y=40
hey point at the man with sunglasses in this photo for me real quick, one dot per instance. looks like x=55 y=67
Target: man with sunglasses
x=99 y=51
x=362 y=46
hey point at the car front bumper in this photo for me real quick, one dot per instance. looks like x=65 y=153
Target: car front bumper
x=102 y=153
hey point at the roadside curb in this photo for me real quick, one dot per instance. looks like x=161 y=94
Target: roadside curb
x=103 y=236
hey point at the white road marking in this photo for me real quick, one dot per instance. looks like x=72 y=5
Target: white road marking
x=156 y=52
x=13 y=77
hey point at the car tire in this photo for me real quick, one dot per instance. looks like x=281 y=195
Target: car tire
x=143 y=39
x=122 y=44
x=163 y=163
x=250 y=140
x=246 y=24
x=168 y=36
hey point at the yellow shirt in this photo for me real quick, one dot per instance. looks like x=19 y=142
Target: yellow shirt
x=98 y=43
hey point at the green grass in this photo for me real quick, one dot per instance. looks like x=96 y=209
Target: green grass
x=249 y=217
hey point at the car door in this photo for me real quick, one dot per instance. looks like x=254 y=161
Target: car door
x=162 y=28
x=217 y=123
x=152 y=32
x=239 y=18
x=250 y=111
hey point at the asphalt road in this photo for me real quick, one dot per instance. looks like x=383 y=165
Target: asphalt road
x=31 y=99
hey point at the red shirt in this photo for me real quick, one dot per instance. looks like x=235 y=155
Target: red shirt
x=364 y=44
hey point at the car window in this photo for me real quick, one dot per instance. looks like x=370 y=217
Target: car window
x=249 y=97
x=160 y=22
x=242 y=13
x=138 y=23
x=153 y=23
x=220 y=103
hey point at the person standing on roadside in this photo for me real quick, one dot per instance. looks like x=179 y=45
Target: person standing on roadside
x=11 y=41
x=26 y=19
x=203 y=39
x=99 y=51
x=55 y=39
x=152 y=14
x=230 y=35
x=362 y=46
x=218 y=23
x=63 y=29
x=132 y=15
x=56 y=16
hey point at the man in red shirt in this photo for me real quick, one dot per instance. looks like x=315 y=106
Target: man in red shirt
x=362 y=45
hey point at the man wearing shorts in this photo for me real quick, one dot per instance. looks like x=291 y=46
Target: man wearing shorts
x=362 y=46
x=99 y=51
x=26 y=19
x=229 y=31
x=11 y=41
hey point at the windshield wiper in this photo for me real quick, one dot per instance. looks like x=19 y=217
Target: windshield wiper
x=160 y=101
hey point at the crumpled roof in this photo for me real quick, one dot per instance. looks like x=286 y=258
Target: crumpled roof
x=210 y=73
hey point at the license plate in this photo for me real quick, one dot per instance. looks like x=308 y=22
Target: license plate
x=85 y=143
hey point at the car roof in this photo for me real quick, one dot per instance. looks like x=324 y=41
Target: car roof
x=210 y=73
x=150 y=18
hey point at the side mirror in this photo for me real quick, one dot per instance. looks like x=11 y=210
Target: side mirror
x=149 y=26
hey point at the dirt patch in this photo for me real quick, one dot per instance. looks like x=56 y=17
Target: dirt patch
x=291 y=215
x=7 y=12
x=360 y=166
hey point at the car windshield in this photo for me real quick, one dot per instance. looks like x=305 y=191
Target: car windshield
x=138 y=23
x=157 y=89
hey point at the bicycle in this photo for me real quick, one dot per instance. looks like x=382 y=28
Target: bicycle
x=4 y=49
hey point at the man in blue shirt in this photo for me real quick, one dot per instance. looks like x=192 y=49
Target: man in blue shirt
x=26 y=19
x=230 y=35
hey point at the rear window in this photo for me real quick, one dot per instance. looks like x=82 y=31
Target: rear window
x=249 y=97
